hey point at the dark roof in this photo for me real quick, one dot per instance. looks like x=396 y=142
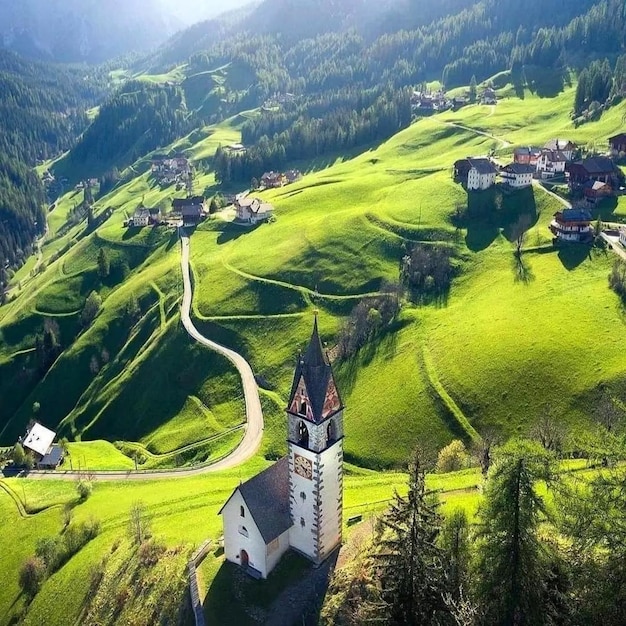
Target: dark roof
x=619 y=137
x=483 y=166
x=519 y=168
x=267 y=498
x=192 y=210
x=574 y=215
x=554 y=155
x=54 y=457
x=179 y=203
x=317 y=372
x=598 y=165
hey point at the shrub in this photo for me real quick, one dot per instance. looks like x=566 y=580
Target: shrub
x=617 y=279
x=52 y=552
x=452 y=458
x=32 y=575
x=84 y=489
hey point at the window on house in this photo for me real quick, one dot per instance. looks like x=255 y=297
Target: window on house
x=303 y=496
x=243 y=531
x=242 y=512
x=302 y=522
x=303 y=408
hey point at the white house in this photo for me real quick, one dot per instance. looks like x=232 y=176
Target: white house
x=517 y=175
x=252 y=210
x=140 y=218
x=481 y=175
x=551 y=163
x=565 y=146
x=296 y=503
x=39 y=441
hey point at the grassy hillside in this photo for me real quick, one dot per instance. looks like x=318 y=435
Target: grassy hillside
x=496 y=354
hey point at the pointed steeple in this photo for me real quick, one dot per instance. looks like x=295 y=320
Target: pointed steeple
x=314 y=383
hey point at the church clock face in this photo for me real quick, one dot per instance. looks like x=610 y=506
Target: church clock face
x=303 y=466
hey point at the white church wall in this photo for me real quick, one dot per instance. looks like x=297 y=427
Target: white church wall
x=331 y=506
x=275 y=550
x=241 y=533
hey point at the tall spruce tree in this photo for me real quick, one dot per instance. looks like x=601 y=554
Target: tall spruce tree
x=409 y=562
x=513 y=565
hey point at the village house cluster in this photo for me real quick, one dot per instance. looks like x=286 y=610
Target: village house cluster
x=168 y=170
x=592 y=178
x=185 y=212
x=589 y=179
x=275 y=180
x=427 y=102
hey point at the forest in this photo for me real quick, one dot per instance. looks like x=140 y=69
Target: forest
x=42 y=112
x=545 y=548
x=137 y=119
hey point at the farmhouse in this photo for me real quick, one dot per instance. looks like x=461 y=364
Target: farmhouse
x=526 y=155
x=475 y=173
x=567 y=147
x=594 y=168
x=488 y=96
x=572 y=225
x=293 y=176
x=193 y=210
x=617 y=144
x=595 y=190
x=273 y=180
x=517 y=175
x=39 y=440
x=140 y=218
x=252 y=210
x=297 y=502
x=551 y=163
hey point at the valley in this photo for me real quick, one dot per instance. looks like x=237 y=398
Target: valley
x=163 y=346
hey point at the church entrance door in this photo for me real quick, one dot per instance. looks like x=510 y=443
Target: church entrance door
x=245 y=559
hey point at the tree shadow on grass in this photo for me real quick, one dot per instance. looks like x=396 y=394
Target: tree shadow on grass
x=573 y=254
x=230 y=232
x=522 y=271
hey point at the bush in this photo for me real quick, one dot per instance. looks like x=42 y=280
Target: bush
x=77 y=535
x=617 y=279
x=52 y=552
x=32 y=575
x=452 y=458
x=84 y=489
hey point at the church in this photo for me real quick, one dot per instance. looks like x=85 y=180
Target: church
x=297 y=502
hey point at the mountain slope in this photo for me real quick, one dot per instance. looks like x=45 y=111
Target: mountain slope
x=87 y=31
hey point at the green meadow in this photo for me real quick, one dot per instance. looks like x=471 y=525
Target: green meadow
x=511 y=342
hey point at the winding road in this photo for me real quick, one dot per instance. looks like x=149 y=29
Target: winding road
x=254 y=415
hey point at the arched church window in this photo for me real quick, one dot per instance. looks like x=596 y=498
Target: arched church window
x=243 y=531
x=303 y=435
x=330 y=432
x=242 y=512
x=303 y=496
x=303 y=408
x=302 y=522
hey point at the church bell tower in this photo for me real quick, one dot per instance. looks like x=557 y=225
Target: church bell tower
x=315 y=440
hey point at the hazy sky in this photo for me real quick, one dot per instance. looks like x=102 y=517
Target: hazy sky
x=191 y=11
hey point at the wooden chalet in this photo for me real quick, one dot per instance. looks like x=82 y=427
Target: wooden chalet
x=617 y=143
x=572 y=225
x=597 y=168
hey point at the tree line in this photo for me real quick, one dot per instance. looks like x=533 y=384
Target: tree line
x=545 y=546
x=312 y=129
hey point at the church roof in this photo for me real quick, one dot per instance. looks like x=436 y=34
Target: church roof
x=267 y=497
x=317 y=372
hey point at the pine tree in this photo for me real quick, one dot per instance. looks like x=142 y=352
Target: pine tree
x=473 y=89
x=409 y=562
x=513 y=566
x=104 y=264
